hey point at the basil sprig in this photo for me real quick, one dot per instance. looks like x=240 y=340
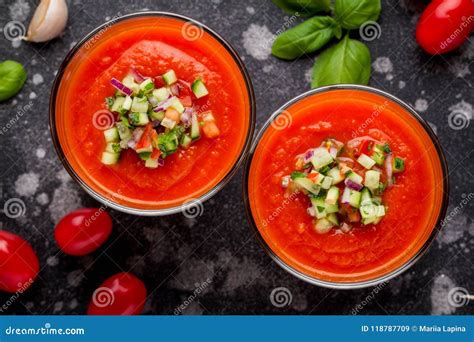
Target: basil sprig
x=306 y=37
x=12 y=78
x=304 y=7
x=349 y=60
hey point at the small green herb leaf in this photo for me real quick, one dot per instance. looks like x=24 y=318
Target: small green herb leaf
x=351 y=14
x=12 y=78
x=304 y=7
x=346 y=62
x=306 y=37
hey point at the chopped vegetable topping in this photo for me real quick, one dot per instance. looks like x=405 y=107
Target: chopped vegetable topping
x=155 y=122
x=344 y=189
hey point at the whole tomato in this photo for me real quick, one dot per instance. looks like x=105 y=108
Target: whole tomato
x=445 y=25
x=19 y=264
x=83 y=231
x=121 y=294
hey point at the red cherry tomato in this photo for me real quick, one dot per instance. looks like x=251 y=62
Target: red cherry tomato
x=445 y=25
x=83 y=231
x=19 y=264
x=121 y=294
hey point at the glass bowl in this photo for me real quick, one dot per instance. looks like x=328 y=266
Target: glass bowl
x=264 y=208
x=190 y=30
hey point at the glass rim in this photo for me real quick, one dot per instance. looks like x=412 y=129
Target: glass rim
x=357 y=284
x=163 y=211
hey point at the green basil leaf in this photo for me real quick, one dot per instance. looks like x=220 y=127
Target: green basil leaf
x=351 y=14
x=306 y=37
x=304 y=7
x=348 y=61
x=12 y=78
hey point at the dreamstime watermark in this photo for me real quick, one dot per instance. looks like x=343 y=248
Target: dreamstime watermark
x=457 y=209
x=103 y=119
x=192 y=31
x=103 y=297
x=465 y=23
x=21 y=110
x=199 y=288
x=359 y=307
x=21 y=288
x=282 y=121
x=95 y=215
x=14 y=30
x=100 y=33
x=459 y=119
x=378 y=109
x=14 y=208
x=192 y=208
x=459 y=296
x=370 y=30
x=280 y=208
x=287 y=23
x=47 y=329
x=281 y=297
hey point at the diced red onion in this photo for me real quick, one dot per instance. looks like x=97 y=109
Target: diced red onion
x=333 y=152
x=154 y=102
x=121 y=87
x=388 y=168
x=139 y=78
x=155 y=123
x=353 y=185
x=186 y=116
x=356 y=141
x=346 y=196
x=161 y=162
x=308 y=155
x=345 y=159
x=163 y=104
x=311 y=212
x=346 y=228
x=174 y=89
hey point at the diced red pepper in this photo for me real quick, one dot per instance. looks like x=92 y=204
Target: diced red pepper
x=186 y=101
x=155 y=154
x=145 y=140
x=366 y=147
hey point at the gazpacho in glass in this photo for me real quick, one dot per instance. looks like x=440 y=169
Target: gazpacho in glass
x=345 y=186
x=152 y=111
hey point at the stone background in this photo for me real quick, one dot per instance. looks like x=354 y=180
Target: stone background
x=172 y=254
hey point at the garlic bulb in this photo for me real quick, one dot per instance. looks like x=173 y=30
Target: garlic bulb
x=48 y=22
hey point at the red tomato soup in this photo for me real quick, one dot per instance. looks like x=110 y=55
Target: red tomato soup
x=152 y=45
x=367 y=252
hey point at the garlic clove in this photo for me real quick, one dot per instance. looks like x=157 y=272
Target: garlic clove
x=48 y=22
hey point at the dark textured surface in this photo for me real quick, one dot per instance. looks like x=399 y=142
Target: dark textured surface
x=172 y=254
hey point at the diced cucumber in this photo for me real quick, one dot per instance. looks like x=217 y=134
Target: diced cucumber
x=157 y=115
x=111 y=135
x=176 y=104
x=380 y=211
x=372 y=179
x=378 y=157
x=170 y=77
x=168 y=123
x=118 y=104
x=147 y=85
x=161 y=94
x=199 y=88
x=332 y=195
x=398 y=165
x=377 y=200
x=138 y=119
x=307 y=184
x=323 y=226
x=332 y=208
x=336 y=175
x=186 y=141
x=321 y=158
x=366 y=161
x=327 y=182
x=109 y=158
x=113 y=147
x=368 y=211
x=123 y=131
x=366 y=198
x=319 y=177
x=129 y=82
x=127 y=104
x=195 y=129
x=354 y=198
x=151 y=163
x=356 y=178
x=145 y=154
x=346 y=195
x=333 y=219
x=139 y=104
x=319 y=206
